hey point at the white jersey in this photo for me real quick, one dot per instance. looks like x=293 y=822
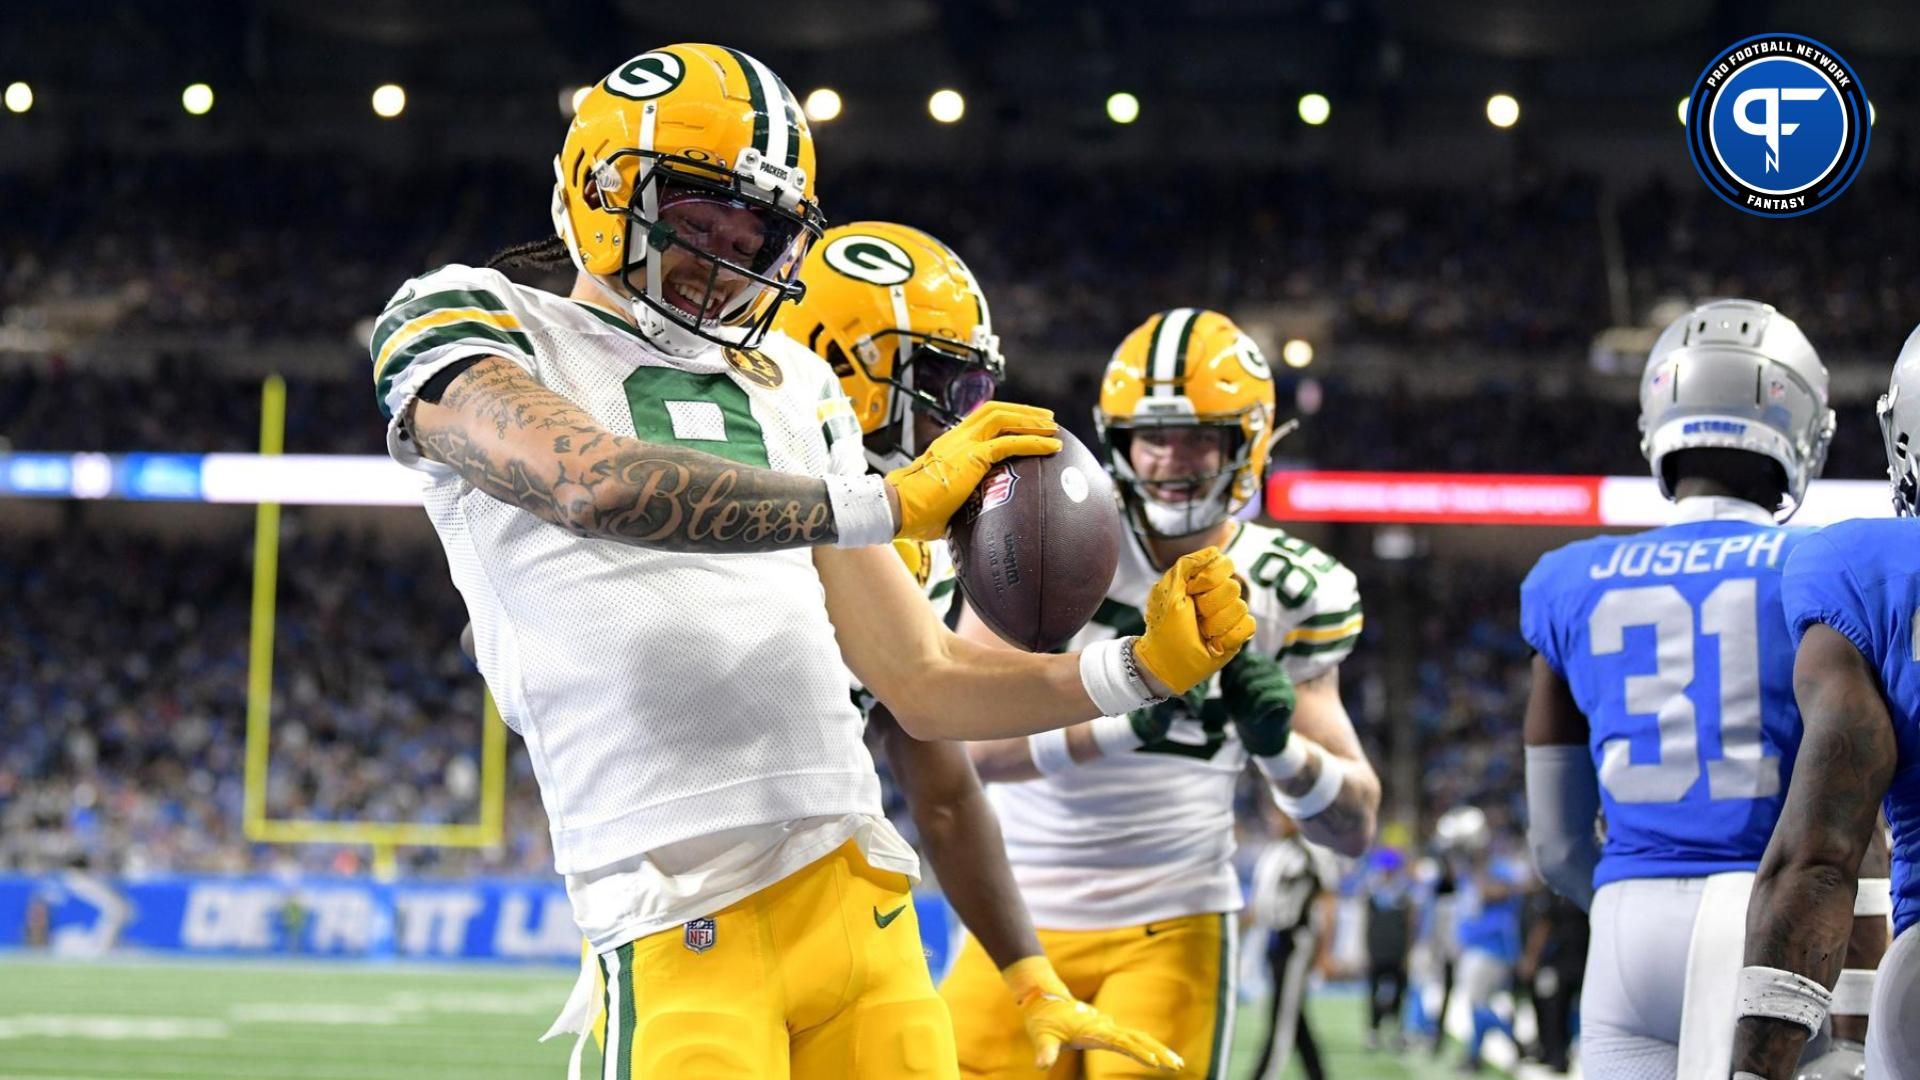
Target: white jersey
x=1122 y=841
x=663 y=697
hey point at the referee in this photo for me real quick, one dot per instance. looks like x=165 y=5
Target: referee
x=1293 y=883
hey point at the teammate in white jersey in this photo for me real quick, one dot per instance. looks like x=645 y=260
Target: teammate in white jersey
x=905 y=325
x=626 y=490
x=1121 y=832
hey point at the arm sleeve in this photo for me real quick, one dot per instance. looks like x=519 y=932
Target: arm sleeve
x=454 y=313
x=1563 y=803
x=1819 y=586
x=1317 y=633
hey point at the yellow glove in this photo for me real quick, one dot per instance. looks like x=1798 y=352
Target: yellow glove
x=933 y=486
x=1054 y=1020
x=914 y=554
x=1196 y=621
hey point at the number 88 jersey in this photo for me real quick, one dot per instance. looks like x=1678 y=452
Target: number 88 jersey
x=1676 y=648
x=1140 y=837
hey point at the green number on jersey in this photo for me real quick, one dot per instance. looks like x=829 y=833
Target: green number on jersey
x=1291 y=567
x=1213 y=725
x=701 y=412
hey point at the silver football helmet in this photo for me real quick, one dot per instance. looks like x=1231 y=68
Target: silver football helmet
x=1899 y=411
x=1738 y=375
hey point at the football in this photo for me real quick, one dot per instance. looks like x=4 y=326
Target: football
x=1036 y=546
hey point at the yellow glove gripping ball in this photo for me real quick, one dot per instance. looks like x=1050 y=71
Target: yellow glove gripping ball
x=1196 y=621
x=1055 y=1019
x=933 y=486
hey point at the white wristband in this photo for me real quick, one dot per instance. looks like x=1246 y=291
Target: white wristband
x=1108 y=676
x=1325 y=789
x=1873 y=896
x=1114 y=735
x=1853 y=993
x=1049 y=752
x=1783 y=995
x=862 y=516
x=1286 y=764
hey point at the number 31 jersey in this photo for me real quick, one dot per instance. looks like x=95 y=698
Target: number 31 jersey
x=1676 y=649
x=1140 y=837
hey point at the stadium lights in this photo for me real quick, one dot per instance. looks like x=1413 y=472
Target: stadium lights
x=823 y=105
x=1684 y=102
x=1122 y=107
x=1296 y=353
x=1503 y=111
x=19 y=97
x=946 y=106
x=1315 y=108
x=389 y=101
x=197 y=99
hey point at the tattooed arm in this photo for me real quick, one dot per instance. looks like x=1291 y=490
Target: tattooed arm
x=1801 y=911
x=1320 y=717
x=523 y=444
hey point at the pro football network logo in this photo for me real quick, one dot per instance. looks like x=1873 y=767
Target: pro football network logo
x=1778 y=125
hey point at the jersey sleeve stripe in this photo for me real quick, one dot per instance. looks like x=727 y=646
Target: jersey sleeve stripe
x=394 y=318
x=407 y=340
x=1332 y=618
x=456 y=334
x=1320 y=648
x=1323 y=635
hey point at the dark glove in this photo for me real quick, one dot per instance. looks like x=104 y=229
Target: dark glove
x=1259 y=697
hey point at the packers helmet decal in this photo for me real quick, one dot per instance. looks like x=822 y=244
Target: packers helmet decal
x=903 y=323
x=875 y=260
x=685 y=190
x=1188 y=368
x=647 y=76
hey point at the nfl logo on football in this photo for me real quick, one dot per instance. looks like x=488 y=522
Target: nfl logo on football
x=700 y=935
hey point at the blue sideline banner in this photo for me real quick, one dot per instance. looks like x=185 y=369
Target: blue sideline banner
x=355 y=918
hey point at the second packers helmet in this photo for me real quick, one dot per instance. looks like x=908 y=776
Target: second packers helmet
x=1188 y=368
x=697 y=149
x=905 y=326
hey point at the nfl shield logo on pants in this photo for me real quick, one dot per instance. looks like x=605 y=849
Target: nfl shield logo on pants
x=700 y=935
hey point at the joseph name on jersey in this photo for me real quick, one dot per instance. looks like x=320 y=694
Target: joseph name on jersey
x=711 y=696
x=1121 y=841
x=1859 y=578
x=1674 y=646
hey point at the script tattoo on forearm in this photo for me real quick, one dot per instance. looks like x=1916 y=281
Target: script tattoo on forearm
x=598 y=484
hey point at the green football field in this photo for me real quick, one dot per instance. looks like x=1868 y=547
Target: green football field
x=168 y=1020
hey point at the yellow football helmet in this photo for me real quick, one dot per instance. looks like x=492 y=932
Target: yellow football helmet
x=1188 y=368
x=672 y=146
x=905 y=326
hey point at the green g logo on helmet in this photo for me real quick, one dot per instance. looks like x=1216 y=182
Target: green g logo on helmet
x=647 y=76
x=872 y=259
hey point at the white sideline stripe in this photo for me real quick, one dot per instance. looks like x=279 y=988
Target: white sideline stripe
x=80 y=1026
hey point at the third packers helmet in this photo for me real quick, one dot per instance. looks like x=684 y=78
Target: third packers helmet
x=905 y=326
x=662 y=153
x=1188 y=368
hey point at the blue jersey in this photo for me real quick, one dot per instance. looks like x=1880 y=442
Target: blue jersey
x=1862 y=578
x=1493 y=926
x=1676 y=649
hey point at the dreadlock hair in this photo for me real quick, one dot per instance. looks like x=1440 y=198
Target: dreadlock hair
x=548 y=253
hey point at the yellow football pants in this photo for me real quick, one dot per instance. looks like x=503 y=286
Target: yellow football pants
x=1170 y=979
x=819 y=976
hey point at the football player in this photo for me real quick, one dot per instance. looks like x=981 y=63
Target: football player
x=1121 y=830
x=1851 y=595
x=1661 y=691
x=904 y=324
x=627 y=491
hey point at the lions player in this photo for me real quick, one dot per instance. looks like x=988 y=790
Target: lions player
x=625 y=486
x=1852 y=597
x=1660 y=690
x=1121 y=830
